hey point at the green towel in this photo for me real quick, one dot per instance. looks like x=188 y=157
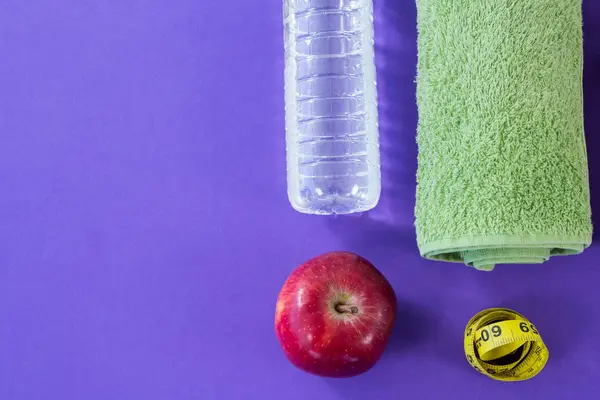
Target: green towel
x=502 y=176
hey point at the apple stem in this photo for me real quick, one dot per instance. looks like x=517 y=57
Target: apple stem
x=344 y=309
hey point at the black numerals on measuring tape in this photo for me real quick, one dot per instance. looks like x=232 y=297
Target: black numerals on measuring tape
x=485 y=336
x=533 y=329
x=503 y=345
x=525 y=328
x=496 y=332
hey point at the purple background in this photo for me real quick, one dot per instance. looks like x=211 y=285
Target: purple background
x=145 y=230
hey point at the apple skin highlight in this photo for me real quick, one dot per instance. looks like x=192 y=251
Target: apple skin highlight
x=334 y=315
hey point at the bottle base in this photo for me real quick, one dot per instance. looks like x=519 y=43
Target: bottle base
x=332 y=205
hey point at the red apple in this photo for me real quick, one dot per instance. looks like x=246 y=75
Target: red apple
x=335 y=315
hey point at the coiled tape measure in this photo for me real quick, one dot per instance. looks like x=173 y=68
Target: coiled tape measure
x=504 y=345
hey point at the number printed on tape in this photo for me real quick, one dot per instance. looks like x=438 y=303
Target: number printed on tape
x=504 y=345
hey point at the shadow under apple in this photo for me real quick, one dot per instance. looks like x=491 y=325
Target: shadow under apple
x=414 y=326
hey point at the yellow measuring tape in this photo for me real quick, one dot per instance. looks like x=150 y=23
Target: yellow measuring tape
x=504 y=345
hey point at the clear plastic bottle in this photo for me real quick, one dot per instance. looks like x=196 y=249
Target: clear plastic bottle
x=332 y=138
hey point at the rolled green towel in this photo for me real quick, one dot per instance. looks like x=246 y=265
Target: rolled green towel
x=502 y=175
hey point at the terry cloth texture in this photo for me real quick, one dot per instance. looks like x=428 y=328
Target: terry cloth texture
x=502 y=176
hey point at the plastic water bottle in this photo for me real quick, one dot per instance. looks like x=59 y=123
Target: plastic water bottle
x=332 y=136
